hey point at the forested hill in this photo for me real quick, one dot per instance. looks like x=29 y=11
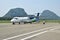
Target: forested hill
x=16 y=12
x=47 y=14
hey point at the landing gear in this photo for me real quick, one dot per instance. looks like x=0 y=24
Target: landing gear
x=24 y=22
x=27 y=22
x=19 y=22
x=30 y=22
x=44 y=22
x=13 y=23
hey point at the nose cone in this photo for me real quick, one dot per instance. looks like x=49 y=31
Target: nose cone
x=12 y=20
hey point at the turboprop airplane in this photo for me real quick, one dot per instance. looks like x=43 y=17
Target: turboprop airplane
x=25 y=19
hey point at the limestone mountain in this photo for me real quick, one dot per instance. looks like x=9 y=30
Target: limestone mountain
x=47 y=14
x=16 y=12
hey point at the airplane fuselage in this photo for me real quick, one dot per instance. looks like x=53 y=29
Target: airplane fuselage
x=21 y=19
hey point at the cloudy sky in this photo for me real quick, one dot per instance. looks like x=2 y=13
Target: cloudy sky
x=30 y=6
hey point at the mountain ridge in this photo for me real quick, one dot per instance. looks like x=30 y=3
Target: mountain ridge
x=47 y=14
x=20 y=12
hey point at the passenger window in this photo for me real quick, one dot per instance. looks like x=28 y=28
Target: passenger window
x=31 y=17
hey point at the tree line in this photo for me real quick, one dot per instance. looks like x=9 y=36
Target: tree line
x=5 y=18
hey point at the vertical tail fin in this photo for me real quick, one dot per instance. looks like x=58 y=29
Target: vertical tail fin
x=37 y=17
x=38 y=14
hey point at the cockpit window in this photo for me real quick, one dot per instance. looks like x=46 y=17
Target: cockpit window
x=15 y=18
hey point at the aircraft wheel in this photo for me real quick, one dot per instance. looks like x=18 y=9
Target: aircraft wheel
x=43 y=23
x=30 y=22
x=24 y=22
x=13 y=23
x=19 y=22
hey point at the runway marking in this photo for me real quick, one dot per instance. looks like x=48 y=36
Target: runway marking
x=37 y=34
x=27 y=33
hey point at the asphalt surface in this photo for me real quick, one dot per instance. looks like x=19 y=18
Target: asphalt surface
x=49 y=31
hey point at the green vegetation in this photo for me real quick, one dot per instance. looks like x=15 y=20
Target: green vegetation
x=50 y=21
x=4 y=21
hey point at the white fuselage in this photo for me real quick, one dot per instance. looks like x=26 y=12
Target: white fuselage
x=20 y=19
x=25 y=19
